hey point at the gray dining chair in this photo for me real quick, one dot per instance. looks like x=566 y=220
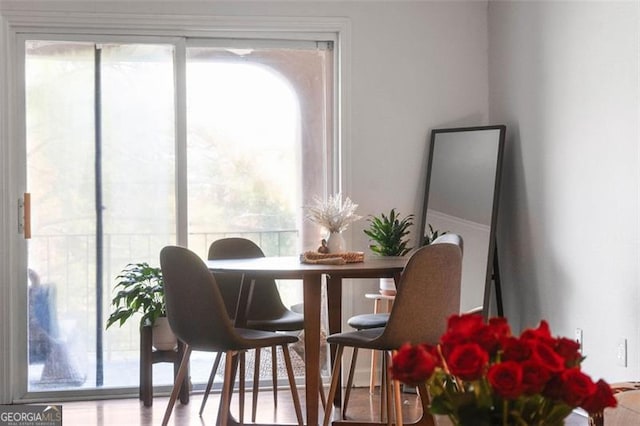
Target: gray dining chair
x=199 y=318
x=377 y=320
x=268 y=313
x=428 y=292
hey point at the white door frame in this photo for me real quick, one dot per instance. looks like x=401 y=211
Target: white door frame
x=13 y=248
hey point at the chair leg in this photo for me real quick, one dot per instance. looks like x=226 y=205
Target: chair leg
x=241 y=386
x=372 y=375
x=383 y=391
x=334 y=384
x=256 y=385
x=347 y=392
x=227 y=388
x=274 y=375
x=388 y=385
x=184 y=366
x=397 y=396
x=374 y=354
x=212 y=376
x=292 y=384
x=323 y=398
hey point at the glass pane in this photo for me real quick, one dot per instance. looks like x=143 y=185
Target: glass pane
x=256 y=149
x=138 y=205
x=60 y=152
x=243 y=154
x=138 y=184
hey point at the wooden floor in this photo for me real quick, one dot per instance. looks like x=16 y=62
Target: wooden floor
x=362 y=405
x=123 y=412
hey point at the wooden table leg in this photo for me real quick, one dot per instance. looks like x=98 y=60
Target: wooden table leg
x=334 y=308
x=311 y=298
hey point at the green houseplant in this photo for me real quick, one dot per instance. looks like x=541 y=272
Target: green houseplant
x=431 y=236
x=389 y=233
x=389 y=236
x=140 y=290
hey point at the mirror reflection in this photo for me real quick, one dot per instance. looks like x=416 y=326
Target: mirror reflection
x=461 y=196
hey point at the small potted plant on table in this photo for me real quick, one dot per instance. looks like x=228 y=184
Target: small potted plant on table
x=389 y=234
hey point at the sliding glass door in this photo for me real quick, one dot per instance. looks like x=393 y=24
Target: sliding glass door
x=100 y=143
x=110 y=170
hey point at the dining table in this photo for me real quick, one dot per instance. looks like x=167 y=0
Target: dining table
x=311 y=274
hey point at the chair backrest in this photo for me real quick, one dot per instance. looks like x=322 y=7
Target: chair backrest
x=450 y=238
x=264 y=290
x=195 y=309
x=428 y=292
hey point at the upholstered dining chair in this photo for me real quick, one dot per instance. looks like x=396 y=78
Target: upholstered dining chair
x=197 y=314
x=363 y=322
x=377 y=320
x=269 y=314
x=428 y=292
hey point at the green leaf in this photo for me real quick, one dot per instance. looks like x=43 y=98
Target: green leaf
x=388 y=233
x=440 y=405
x=139 y=288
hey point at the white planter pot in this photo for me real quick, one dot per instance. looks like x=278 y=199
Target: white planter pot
x=163 y=338
x=387 y=286
x=336 y=243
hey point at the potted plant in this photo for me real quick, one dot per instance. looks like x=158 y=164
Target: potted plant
x=389 y=234
x=431 y=236
x=335 y=216
x=140 y=290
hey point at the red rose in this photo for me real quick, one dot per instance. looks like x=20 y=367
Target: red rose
x=491 y=335
x=576 y=386
x=600 y=399
x=487 y=340
x=466 y=324
x=506 y=379
x=467 y=361
x=547 y=357
x=460 y=329
x=569 y=350
x=534 y=377
x=516 y=349
x=500 y=327
x=553 y=390
x=413 y=364
x=542 y=333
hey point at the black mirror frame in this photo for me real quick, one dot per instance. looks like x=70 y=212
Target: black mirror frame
x=492 y=272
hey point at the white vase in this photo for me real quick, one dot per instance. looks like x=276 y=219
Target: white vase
x=387 y=286
x=162 y=336
x=335 y=243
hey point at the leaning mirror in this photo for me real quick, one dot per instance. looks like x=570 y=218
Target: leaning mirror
x=461 y=196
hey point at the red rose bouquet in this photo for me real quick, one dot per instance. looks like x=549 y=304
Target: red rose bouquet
x=479 y=374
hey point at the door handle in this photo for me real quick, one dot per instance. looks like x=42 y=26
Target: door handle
x=24 y=215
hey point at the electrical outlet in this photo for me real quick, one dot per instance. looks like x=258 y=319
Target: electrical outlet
x=578 y=337
x=621 y=352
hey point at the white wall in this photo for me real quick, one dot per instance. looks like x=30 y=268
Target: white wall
x=564 y=78
x=414 y=66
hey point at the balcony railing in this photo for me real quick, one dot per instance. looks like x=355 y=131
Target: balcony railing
x=66 y=263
